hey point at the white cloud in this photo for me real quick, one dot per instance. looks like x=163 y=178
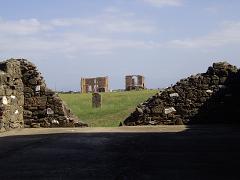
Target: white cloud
x=112 y=20
x=161 y=3
x=109 y=23
x=69 y=37
x=104 y=34
x=128 y=26
x=65 y=22
x=22 y=26
x=68 y=45
x=229 y=33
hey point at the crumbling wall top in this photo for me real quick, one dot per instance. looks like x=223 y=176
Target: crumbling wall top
x=98 y=84
x=27 y=100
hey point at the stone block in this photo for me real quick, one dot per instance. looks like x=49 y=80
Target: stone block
x=96 y=100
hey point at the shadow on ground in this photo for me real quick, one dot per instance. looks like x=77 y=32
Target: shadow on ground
x=198 y=153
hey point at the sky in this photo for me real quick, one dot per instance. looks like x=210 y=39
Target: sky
x=164 y=40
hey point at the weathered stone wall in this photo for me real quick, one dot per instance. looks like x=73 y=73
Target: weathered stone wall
x=209 y=97
x=26 y=101
x=96 y=100
x=11 y=96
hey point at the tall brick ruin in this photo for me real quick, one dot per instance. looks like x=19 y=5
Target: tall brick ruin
x=27 y=102
x=92 y=85
x=208 y=97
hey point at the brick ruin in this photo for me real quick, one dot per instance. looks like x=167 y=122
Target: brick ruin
x=134 y=82
x=25 y=100
x=91 y=85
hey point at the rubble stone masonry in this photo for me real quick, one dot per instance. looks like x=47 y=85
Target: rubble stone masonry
x=211 y=97
x=25 y=100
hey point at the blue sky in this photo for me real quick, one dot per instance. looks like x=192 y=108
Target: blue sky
x=165 y=40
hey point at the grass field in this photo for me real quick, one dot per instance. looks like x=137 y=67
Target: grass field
x=115 y=108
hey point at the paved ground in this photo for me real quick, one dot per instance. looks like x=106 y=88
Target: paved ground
x=169 y=152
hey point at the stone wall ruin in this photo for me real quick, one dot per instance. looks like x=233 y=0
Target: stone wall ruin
x=27 y=102
x=208 y=97
x=11 y=96
x=134 y=82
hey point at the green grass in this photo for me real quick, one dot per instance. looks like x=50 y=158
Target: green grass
x=116 y=106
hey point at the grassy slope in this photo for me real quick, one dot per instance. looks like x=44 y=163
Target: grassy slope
x=115 y=108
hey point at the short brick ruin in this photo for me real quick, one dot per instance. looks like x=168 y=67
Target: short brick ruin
x=92 y=85
x=134 y=82
x=211 y=97
x=27 y=102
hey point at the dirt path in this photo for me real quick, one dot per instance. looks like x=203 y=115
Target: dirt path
x=125 y=129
